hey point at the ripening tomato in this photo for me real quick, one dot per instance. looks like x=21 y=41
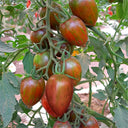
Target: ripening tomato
x=41 y=60
x=59 y=124
x=73 y=68
x=31 y=90
x=36 y=36
x=59 y=91
x=45 y=104
x=86 y=10
x=90 y=123
x=64 y=46
x=74 y=31
x=53 y=22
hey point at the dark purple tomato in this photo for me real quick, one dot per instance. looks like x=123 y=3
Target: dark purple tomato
x=86 y=10
x=53 y=22
x=45 y=104
x=59 y=124
x=31 y=90
x=59 y=91
x=74 y=31
x=41 y=60
x=90 y=123
x=36 y=36
x=73 y=68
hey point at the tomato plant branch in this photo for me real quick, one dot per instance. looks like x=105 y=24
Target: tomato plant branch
x=104 y=107
x=34 y=115
x=98 y=32
x=14 y=56
x=41 y=4
x=90 y=94
x=117 y=30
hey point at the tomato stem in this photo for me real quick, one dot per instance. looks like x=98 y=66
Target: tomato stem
x=90 y=94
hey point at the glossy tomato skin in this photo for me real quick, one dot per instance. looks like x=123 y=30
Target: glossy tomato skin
x=45 y=104
x=31 y=90
x=59 y=91
x=36 y=36
x=86 y=10
x=73 y=68
x=90 y=123
x=59 y=124
x=74 y=31
x=53 y=22
x=41 y=60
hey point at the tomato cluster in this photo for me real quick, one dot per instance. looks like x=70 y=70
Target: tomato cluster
x=53 y=60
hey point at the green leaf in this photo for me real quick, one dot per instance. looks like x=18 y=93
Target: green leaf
x=13 y=80
x=100 y=95
x=21 y=126
x=119 y=10
x=84 y=60
x=7 y=99
x=99 y=49
x=125 y=8
x=19 y=6
x=21 y=41
x=21 y=107
x=121 y=117
x=28 y=62
x=16 y=117
x=99 y=72
x=6 y=48
x=119 y=52
x=110 y=72
x=123 y=44
x=38 y=123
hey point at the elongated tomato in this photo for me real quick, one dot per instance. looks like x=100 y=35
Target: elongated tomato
x=59 y=91
x=74 y=31
x=86 y=10
x=45 y=104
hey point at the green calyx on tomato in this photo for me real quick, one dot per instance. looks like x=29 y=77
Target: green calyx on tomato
x=59 y=92
x=86 y=10
x=74 y=31
x=31 y=90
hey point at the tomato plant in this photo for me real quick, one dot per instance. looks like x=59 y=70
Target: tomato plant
x=59 y=91
x=86 y=10
x=59 y=124
x=31 y=90
x=69 y=28
x=43 y=47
